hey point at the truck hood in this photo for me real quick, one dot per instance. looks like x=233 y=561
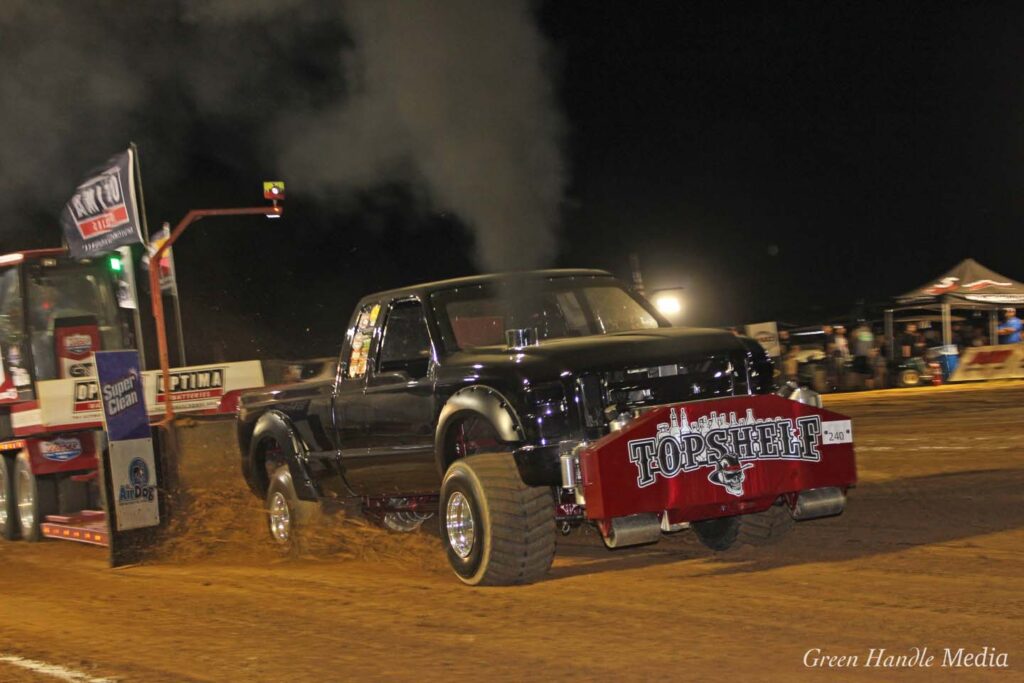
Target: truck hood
x=622 y=350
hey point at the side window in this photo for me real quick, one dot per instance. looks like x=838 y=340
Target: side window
x=362 y=333
x=406 y=343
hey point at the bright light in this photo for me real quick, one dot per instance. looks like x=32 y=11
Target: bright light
x=668 y=304
x=115 y=264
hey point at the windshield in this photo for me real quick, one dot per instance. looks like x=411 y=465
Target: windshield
x=68 y=292
x=476 y=316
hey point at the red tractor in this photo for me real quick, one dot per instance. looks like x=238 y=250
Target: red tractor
x=56 y=312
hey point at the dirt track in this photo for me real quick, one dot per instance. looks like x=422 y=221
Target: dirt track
x=929 y=553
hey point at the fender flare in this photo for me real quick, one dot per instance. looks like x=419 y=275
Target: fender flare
x=485 y=401
x=277 y=425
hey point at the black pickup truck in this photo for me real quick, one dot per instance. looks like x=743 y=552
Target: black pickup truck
x=465 y=399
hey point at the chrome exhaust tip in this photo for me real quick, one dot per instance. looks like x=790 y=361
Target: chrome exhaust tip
x=633 y=530
x=828 y=501
x=795 y=392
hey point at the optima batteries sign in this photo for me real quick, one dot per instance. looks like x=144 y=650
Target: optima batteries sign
x=132 y=466
x=193 y=387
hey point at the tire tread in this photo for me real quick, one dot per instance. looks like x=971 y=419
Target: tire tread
x=522 y=522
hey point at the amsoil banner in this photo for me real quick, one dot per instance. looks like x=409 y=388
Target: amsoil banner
x=1005 y=361
x=102 y=214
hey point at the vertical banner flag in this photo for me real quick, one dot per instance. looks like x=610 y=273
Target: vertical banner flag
x=102 y=214
x=166 y=265
x=132 y=469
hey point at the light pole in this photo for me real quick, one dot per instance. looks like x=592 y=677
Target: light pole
x=274 y=193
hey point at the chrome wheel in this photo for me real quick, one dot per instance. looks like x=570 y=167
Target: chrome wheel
x=460 y=525
x=280 y=518
x=26 y=501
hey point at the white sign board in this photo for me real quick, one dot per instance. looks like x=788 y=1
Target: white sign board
x=75 y=402
x=1005 y=361
x=133 y=473
x=767 y=335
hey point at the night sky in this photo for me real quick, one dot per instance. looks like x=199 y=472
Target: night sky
x=779 y=161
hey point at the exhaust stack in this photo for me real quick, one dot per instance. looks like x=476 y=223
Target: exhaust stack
x=816 y=503
x=633 y=530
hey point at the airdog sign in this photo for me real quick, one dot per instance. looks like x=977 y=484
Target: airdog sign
x=102 y=215
x=132 y=464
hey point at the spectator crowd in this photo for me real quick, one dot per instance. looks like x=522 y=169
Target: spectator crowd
x=832 y=359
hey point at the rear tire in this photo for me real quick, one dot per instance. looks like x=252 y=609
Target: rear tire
x=9 y=526
x=758 y=529
x=37 y=498
x=496 y=530
x=287 y=516
x=718 y=534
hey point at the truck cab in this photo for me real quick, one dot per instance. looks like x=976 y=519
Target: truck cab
x=55 y=312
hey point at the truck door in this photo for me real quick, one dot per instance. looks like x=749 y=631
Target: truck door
x=399 y=404
x=350 y=413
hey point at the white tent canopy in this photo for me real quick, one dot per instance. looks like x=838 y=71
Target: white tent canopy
x=967 y=285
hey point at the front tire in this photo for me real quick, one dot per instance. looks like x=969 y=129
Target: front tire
x=9 y=527
x=36 y=497
x=496 y=530
x=287 y=515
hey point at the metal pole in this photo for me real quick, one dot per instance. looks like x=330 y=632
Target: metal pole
x=129 y=266
x=178 y=325
x=947 y=324
x=993 y=327
x=638 y=279
x=142 y=197
x=144 y=225
x=157 y=297
x=890 y=339
x=173 y=292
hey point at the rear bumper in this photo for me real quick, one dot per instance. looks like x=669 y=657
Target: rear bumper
x=718 y=458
